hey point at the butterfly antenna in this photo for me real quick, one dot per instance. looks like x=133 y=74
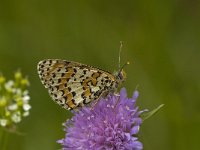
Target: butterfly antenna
x=120 y=49
x=127 y=63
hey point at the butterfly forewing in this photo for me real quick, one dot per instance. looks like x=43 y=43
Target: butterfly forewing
x=72 y=84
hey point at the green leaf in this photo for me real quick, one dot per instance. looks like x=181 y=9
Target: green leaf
x=146 y=115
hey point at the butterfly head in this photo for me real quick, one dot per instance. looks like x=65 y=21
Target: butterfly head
x=121 y=74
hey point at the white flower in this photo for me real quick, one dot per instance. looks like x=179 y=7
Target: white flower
x=26 y=113
x=26 y=98
x=9 y=84
x=16 y=117
x=14 y=100
x=3 y=122
x=13 y=107
x=26 y=107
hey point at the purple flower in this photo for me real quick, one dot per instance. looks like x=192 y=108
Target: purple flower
x=113 y=124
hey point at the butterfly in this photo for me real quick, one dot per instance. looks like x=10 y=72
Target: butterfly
x=72 y=84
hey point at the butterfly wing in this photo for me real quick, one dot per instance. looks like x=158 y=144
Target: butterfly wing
x=72 y=84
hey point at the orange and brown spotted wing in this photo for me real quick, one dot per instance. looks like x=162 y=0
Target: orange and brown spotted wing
x=72 y=84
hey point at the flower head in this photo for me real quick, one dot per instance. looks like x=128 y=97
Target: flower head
x=14 y=100
x=113 y=124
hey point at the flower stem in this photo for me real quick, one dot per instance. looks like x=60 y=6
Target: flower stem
x=3 y=139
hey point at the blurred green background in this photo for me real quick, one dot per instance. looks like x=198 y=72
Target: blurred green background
x=161 y=40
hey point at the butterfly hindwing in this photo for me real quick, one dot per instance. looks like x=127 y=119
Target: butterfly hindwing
x=72 y=84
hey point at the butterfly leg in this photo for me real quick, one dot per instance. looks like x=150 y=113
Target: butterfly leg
x=103 y=94
x=117 y=102
x=95 y=103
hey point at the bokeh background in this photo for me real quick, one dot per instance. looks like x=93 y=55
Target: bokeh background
x=161 y=40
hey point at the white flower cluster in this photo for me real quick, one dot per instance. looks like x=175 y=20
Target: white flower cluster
x=14 y=100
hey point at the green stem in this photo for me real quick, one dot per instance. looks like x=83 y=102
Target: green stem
x=1 y=136
x=4 y=139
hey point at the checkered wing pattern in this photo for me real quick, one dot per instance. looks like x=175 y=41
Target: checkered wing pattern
x=73 y=84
